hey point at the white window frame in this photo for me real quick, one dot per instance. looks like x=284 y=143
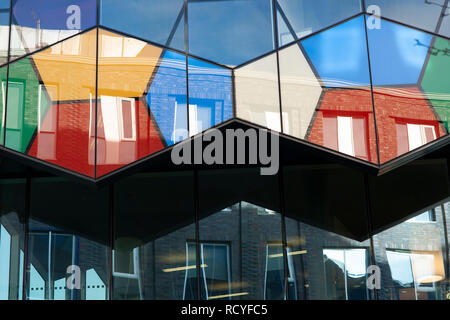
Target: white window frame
x=121 y=120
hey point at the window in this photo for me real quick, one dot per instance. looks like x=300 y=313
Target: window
x=214 y=271
x=346 y=134
x=274 y=280
x=415 y=273
x=412 y=136
x=345 y=273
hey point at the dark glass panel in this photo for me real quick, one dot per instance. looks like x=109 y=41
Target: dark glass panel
x=297 y=19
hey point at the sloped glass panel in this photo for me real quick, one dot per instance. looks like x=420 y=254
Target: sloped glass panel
x=160 y=21
x=299 y=18
x=257 y=97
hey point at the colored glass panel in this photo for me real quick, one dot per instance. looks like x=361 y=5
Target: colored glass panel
x=300 y=91
x=339 y=54
x=40 y=23
x=209 y=95
x=230 y=32
x=4 y=30
x=26 y=100
x=397 y=54
x=167 y=100
x=297 y=19
x=51 y=116
x=417 y=13
x=344 y=122
x=126 y=131
x=257 y=95
x=160 y=21
x=405 y=121
x=435 y=81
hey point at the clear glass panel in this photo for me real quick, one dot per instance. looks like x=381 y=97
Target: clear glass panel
x=230 y=32
x=405 y=63
x=4 y=30
x=68 y=253
x=434 y=82
x=51 y=103
x=257 y=97
x=417 y=13
x=128 y=71
x=40 y=23
x=154 y=247
x=167 y=98
x=327 y=236
x=412 y=257
x=242 y=260
x=210 y=95
x=297 y=19
x=161 y=22
x=12 y=233
x=4 y=85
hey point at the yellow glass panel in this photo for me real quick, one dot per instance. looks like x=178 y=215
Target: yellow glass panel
x=69 y=68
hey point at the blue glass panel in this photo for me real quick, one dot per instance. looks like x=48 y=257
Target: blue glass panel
x=340 y=54
x=210 y=95
x=305 y=16
x=167 y=97
x=230 y=32
x=40 y=23
x=156 y=20
x=417 y=13
x=397 y=54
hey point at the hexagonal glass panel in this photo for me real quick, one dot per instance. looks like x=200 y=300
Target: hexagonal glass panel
x=40 y=23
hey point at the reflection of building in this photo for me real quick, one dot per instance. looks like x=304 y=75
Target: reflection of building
x=93 y=207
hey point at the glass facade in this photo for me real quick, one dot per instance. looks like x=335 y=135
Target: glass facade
x=310 y=233
x=92 y=88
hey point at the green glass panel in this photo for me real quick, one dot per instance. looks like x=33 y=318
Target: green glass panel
x=3 y=75
x=27 y=99
x=435 y=82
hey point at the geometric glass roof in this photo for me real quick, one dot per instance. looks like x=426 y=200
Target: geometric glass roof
x=91 y=97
